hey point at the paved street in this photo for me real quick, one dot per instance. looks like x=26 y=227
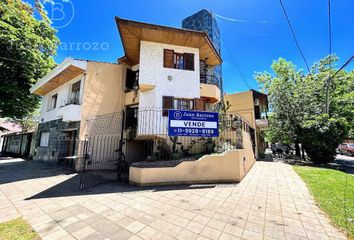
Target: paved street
x=349 y=159
x=272 y=202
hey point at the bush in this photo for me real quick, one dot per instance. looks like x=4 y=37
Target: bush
x=322 y=135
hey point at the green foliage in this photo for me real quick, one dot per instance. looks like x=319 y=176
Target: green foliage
x=334 y=192
x=28 y=122
x=322 y=135
x=295 y=97
x=27 y=45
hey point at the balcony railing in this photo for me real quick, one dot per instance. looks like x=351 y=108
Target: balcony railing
x=209 y=79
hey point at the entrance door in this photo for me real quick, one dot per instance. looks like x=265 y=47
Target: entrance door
x=71 y=142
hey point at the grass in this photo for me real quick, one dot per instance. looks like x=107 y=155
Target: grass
x=17 y=229
x=334 y=192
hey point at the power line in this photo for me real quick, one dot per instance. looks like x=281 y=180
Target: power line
x=328 y=82
x=230 y=54
x=344 y=65
x=236 y=65
x=293 y=33
x=329 y=28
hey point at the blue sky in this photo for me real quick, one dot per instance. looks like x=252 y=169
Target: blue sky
x=254 y=44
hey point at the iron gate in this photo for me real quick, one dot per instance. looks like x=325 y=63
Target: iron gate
x=102 y=156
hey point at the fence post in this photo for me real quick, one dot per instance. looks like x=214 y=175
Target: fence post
x=120 y=148
x=84 y=161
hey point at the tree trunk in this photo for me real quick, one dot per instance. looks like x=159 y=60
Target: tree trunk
x=303 y=152
x=297 y=148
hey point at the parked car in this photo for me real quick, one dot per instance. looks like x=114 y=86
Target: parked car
x=346 y=148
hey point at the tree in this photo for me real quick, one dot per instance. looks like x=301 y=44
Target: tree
x=296 y=99
x=27 y=45
x=321 y=137
x=287 y=107
x=28 y=122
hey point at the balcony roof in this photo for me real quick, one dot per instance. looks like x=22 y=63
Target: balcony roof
x=64 y=72
x=132 y=33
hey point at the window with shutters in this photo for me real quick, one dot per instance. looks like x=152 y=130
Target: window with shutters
x=184 y=61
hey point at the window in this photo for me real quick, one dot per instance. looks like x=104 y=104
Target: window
x=183 y=104
x=75 y=93
x=53 y=102
x=178 y=60
x=44 y=139
x=177 y=103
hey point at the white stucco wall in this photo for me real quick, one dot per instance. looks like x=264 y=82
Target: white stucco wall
x=71 y=113
x=184 y=83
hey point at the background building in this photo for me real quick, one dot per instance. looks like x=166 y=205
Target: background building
x=206 y=22
x=252 y=106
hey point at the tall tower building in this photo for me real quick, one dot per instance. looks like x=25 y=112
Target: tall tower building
x=205 y=21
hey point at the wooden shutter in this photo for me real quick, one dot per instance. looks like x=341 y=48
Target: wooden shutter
x=168 y=61
x=167 y=103
x=199 y=104
x=188 y=61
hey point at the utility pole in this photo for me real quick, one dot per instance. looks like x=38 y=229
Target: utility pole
x=328 y=82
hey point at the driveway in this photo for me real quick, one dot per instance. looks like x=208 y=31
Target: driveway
x=272 y=202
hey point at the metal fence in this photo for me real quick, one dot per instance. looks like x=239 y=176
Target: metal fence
x=114 y=142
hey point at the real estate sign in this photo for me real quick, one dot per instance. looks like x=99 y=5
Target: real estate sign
x=192 y=123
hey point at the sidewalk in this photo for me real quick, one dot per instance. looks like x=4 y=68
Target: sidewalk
x=272 y=202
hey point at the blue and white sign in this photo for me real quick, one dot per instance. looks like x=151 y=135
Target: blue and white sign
x=192 y=123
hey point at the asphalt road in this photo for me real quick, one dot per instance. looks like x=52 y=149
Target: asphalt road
x=345 y=158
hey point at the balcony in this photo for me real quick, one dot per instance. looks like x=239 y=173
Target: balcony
x=70 y=113
x=209 y=79
x=210 y=91
x=262 y=124
x=209 y=87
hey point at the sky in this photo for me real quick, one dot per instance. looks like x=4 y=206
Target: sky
x=87 y=30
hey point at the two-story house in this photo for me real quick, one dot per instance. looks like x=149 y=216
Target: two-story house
x=74 y=91
x=252 y=106
x=167 y=67
x=163 y=68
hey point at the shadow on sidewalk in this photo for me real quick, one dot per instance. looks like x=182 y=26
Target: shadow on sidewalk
x=70 y=188
x=17 y=169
